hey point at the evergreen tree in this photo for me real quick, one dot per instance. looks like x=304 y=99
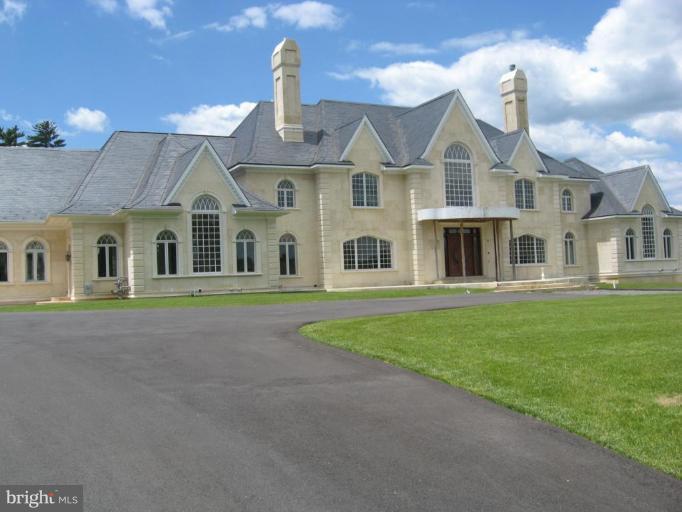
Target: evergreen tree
x=11 y=136
x=45 y=135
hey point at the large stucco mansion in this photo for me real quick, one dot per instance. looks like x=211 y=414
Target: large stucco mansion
x=331 y=195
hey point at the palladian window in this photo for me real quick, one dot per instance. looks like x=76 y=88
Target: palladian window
x=287 y=255
x=4 y=262
x=527 y=249
x=524 y=192
x=286 y=194
x=367 y=253
x=35 y=262
x=107 y=256
x=648 y=233
x=458 y=177
x=206 y=239
x=667 y=244
x=569 y=249
x=166 y=253
x=365 y=188
x=567 y=201
x=246 y=251
x=630 y=253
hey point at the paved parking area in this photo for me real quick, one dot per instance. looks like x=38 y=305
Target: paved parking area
x=230 y=409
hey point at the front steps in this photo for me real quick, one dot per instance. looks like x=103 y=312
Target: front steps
x=562 y=283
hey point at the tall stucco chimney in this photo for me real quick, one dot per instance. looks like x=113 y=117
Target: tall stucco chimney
x=286 y=72
x=514 y=92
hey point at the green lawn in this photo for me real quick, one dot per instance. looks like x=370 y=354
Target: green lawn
x=607 y=368
x=653 y=285
x=234 y=299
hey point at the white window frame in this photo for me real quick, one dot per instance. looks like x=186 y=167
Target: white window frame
x=292 y=191
x=668 y=243
x=648 y=233
x=117 y=245
x=256 y=257
x=567 y=194
x=516 y=248
x=220 y=213
x=364 y=190
x=525 y=183
x=392 y=253
x=165 y=244
x=570 y=257
x=10 y=266
x=291 y=243
x=630 y=245
x=458 y=161
x=46 y=261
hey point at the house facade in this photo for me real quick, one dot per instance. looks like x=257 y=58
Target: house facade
x=331 y=195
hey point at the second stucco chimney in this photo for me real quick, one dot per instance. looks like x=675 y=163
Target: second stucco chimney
x=514 y=92
x=286 y=72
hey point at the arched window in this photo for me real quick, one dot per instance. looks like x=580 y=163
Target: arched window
x=206 y=235
x=166 y=253
x=527 y=249
x=365 y=189
x=246 y=251
x=458 y=180
x=566 y=200
x=287 y=255
x=630 y=253
x=286 y=194
x=367 y=253
x=667 y=244
x=107 y=249
x=35 y=261
x=569 y=249
x=524 y=192
x=648 y=233
x=4 y=262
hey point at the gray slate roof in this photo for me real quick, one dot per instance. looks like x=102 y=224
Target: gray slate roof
x=35 y=182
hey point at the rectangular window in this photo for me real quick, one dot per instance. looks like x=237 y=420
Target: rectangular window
x=365 y=189
x=172 y=259
x=206 y=243
x=458 y=184
x=40 y=267
x=367 y=253
x=29 y=267
x=4 y=267
x=161 y=259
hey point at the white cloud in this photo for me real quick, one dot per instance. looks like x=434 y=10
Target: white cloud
x=154 y=12
x=210 y=119
x=667 y=125
x=387 y=48
x=12 y=11
x=106 y=5
x=249 y=17
x=480 y=39
x=308 y=14
x=87 y=120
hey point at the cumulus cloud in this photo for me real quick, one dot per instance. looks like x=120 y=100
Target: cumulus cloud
x=480 y=39
x=87 y=120
x=154 y=12
x=12 y=11
x=106 y=5
x=667 y=125
x=210 y=119
x=303 y=15
x=387 y=48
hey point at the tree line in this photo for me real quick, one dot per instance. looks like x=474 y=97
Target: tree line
x=45 y=135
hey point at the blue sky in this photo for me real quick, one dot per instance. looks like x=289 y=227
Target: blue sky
x=605 y=77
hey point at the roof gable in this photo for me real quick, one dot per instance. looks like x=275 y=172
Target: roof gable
x=357 y=128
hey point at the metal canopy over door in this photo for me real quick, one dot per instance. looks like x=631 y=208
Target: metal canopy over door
x=463 y=252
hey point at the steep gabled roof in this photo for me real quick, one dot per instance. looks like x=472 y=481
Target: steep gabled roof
x=36 y=182
x=586 y=169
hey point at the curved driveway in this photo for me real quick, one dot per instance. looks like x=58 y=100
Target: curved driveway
x=230 y=409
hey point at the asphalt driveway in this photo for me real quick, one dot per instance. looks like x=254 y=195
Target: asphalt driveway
x=230 y=409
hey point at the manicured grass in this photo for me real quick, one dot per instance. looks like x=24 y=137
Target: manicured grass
x=653 y=285
x=234 y=299
x=607 y=368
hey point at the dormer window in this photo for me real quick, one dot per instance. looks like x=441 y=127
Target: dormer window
x=458 y=178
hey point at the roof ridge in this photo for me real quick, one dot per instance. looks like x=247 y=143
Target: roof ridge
x=166 y=190
x=137 y=194
x=167 y=133
x=410 y=109
x=383 y=105
x=629 y=169
x=59 y=150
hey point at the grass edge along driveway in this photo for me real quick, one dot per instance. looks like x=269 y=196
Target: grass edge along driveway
x=606 y=368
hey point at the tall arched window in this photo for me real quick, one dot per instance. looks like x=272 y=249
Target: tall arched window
x=648 y=233
x=667 y=243
x=459 y=189
x=569 y=249
x=630 y=253
x=524 y=193
x=35 y=261
x=107 y=254
x=166 y=253
x=206 y=235
x=4 y=262
x=367 y=253
x=246 y=251
x=286 y=194
x=526 y=250
x=566 y=201
x=287 y=255
x=365 y=187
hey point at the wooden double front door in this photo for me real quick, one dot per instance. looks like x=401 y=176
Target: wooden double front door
x=468 y=241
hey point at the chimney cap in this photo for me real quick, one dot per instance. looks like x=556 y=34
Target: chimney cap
x=512 y=67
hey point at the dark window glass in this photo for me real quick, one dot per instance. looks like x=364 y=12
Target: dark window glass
x=4 y=270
